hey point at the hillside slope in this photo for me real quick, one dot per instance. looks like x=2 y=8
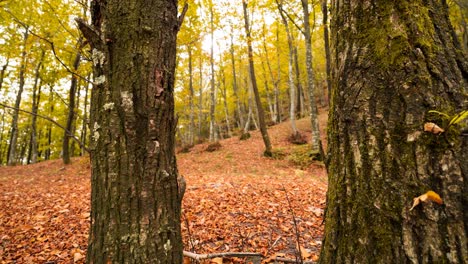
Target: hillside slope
x=235 y=201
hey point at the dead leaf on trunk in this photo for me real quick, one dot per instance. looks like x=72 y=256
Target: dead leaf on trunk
x=428 y=196
x=433 y=128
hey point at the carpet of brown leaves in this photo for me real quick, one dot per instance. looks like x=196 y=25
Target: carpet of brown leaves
x=236 y=200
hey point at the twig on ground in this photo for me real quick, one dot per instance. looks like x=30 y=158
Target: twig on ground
x=222 y=254
x=296 y=230
x=190 y=237
x=286 y=260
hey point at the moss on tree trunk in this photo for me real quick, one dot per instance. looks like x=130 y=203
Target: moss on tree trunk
x=392 y=62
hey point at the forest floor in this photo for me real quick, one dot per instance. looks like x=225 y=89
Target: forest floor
x=236 y=201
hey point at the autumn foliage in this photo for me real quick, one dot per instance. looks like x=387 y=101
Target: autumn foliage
x=235 y=201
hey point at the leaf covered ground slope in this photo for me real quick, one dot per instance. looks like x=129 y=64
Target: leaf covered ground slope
x=235 y=201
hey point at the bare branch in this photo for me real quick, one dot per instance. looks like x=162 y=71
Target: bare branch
x=283 y=13
x=51 y=43
x=296 y=229
x=182 y=15
x=90 y=34
x=286 y=260
x=198 y=257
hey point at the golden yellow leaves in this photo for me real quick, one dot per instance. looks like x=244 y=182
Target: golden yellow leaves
x=428 y=196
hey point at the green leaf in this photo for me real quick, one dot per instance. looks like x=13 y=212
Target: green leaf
x=440 y=113
x=458 y=117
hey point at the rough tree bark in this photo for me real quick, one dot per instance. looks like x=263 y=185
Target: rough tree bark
x=260 y=112
x=136 y=196
x=393 y=62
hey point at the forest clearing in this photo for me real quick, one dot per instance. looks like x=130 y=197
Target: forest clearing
x=235 y=202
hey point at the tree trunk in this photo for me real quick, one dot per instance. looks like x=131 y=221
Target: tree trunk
x=213 y=134
x=3 y=71
x=71 y=107
x=275 y=82
x=191 y=97
x=3 y=146
x=14 y=124
x=327 y=45
x=278 y=101
x=239 y=106
x=260 y=112
x=393 y=62
x=36 y=97
x=135 y=197
x=48 y=150
x=299 y=91
x=316 y=142
x=292 y=87
x=223 y=90
x=84 y=126
x=200 y=97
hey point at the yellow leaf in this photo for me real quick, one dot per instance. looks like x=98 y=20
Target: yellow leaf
x=433 y=196
x=433 y=128
x=430 y=195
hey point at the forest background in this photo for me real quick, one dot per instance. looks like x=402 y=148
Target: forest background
x=46 y=77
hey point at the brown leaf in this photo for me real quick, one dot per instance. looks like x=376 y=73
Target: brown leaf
x=305 y=254
x=433 y=128
x=217 y=261
x=77 y=256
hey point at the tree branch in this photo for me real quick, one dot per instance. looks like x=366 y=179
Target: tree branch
x=90 y=34
x=182 y=15
x=50 y=120
x=283 y=12
x=198 y=257
x=286 y=260
x=51 y=45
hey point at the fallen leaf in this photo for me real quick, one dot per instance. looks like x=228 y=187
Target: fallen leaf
x=305 y=254
x=77 y=256
x=217 y=261
x=430 y=195
x=273 y=257
x=433 y=128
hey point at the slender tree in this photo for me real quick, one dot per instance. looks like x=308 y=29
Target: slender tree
x=71 y=106
x=36 y=98
x=14 y=125
x=239 y=105
x=292 y=85
x=136 y=194
x=316 y=142
x=324 y=6
x=260 y=112
x=213 y=133
x=392 y=63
